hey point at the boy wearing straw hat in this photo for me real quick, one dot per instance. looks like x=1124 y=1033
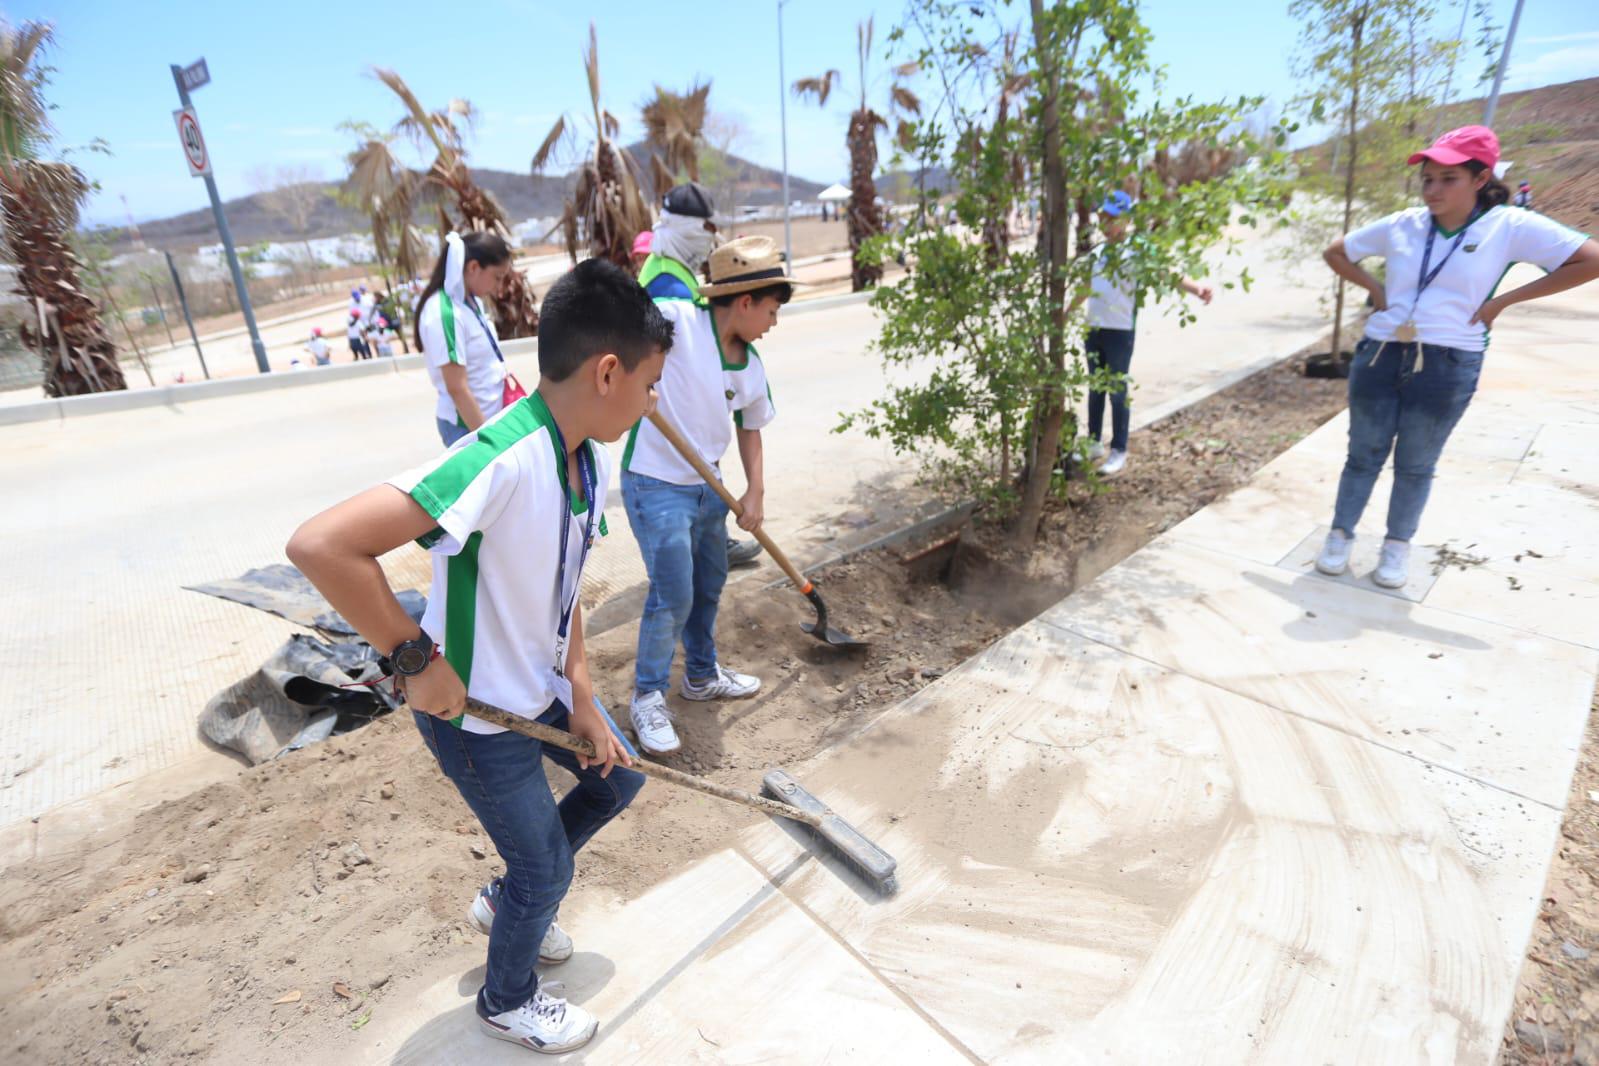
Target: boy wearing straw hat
x=713 y=390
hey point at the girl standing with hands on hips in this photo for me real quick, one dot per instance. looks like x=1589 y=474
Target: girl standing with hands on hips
x=1416 y=369
x=458 y=342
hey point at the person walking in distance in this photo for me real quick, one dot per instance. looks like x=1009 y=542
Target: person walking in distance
x=1416 y=369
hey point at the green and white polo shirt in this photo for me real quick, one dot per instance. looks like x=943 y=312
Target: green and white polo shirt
x=452 y=333
x=1490 y=245
x=698 y=391
x=494 y=607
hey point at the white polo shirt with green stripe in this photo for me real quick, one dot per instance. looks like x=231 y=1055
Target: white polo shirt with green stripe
x=494 y=607
x=451 y=333
x=701 y=394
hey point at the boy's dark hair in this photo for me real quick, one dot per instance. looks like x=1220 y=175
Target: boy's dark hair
x=782 y=290
x=482 y=247
x=598 y=307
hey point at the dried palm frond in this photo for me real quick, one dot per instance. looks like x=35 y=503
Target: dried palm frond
x=674 y=126
x=905 y=100
x=607 y=208
x=541 y=158
x=820 y=87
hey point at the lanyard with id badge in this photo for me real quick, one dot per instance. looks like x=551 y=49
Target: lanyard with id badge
x=585 y=468
x=511 y=390
x=1406 y=333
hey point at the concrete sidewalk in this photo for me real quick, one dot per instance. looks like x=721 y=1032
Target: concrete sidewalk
x=1212 y=808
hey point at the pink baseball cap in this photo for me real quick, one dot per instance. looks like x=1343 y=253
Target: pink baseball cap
x=643 y=243
x=1462 y=145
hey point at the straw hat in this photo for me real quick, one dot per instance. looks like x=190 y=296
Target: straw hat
x=744 y=264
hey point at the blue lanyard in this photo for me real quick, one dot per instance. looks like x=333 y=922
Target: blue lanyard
x=1424 y=279
x=585 y=469
x=471 y=301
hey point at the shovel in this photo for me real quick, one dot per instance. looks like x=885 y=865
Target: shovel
x=819 y=628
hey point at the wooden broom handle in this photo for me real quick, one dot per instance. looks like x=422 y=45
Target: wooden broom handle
x=562 y=739
x=693 y=459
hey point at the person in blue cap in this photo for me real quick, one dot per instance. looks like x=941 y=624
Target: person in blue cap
x=1112 y=315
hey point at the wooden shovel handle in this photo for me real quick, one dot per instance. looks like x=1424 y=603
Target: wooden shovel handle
x=562 y=739
x=693 y=459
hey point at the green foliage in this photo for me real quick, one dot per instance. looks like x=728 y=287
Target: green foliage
x=980 y=351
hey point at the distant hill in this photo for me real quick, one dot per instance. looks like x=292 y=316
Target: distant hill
x=252 y=220
x=1550 y=135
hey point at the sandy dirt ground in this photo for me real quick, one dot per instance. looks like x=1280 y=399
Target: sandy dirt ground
x=264 y=918
x=1556 y=1017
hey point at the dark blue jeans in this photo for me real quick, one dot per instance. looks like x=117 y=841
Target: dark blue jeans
x=1394 y=406
x=1110 y=349
x=682 y=533
x=501 y=777
x=450 y=432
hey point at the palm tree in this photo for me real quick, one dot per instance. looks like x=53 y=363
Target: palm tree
x=387 y=190
x=40 y=200
x=515 y=313
x=865 y=217
x=607 y=206
x=674 y=127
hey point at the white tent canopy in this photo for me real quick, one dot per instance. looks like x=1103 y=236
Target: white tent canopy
x=833 y=194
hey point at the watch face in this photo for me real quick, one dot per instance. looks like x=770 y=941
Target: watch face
x=410 y=660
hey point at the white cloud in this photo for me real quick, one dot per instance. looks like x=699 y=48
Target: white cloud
x=1562 y=38
x=1553 y=66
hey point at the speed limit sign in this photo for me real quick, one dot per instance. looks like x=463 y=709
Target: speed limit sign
x=193 y=141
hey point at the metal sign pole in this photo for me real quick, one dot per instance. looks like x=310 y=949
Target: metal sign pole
x=227 y=245
x=183 y=302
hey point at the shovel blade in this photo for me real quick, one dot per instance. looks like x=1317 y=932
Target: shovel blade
x=829 y=635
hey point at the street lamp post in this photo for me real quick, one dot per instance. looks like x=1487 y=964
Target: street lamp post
x=1499 y=72
x=782 y=105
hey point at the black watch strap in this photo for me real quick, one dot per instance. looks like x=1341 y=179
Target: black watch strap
x=412 y=656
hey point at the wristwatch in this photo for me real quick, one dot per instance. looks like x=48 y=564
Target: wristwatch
x=412 y=656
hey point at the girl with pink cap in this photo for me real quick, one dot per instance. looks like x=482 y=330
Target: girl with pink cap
x=1416 y=369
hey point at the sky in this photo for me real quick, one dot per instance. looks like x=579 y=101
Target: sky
x=286 y=73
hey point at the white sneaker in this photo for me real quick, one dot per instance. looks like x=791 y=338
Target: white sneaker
x=726 y=685
x=1096 y=451
x=1113 y=464
x=1334 y=557
x=652 y=721
x=556 y=946
x=1393 y=567
x=544 y=1023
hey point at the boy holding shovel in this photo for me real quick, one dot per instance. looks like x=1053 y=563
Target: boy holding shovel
x=713 y=387
x=509 y=514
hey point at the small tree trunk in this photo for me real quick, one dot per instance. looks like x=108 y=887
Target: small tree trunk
x=1358 y=24
x=864 y=218
x=1051 y=407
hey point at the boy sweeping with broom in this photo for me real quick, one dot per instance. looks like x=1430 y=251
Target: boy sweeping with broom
x=509 y=514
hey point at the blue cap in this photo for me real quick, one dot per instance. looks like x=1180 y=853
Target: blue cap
x=1116 y=204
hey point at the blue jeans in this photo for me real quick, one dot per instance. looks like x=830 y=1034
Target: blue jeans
x=1392 y=406
x=450 y=432
x=501 y=777
x=1110 y=349
x=682 y=533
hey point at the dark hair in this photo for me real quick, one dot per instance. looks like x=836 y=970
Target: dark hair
x=598 y=307
x=489 y=249
x=782 y=290
x=1494 y=194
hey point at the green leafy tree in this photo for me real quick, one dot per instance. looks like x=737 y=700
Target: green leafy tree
x=997 y=331
x=1378 y=72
